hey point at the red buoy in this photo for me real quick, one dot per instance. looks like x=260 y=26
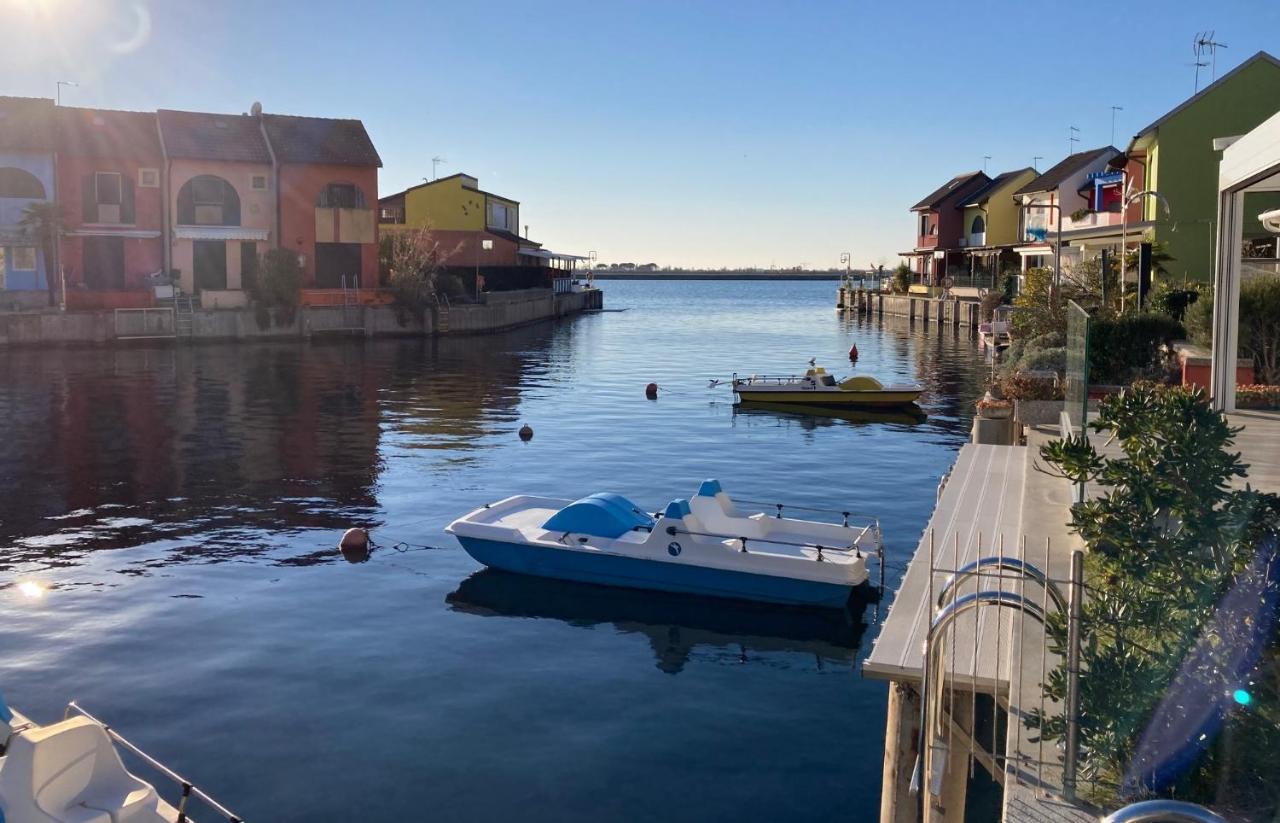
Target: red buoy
x=853 y=352
x=651 y=391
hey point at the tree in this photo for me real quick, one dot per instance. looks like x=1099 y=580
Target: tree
x=275 y=288
x=1039 y=307
x=1259 y=329
x=901 y=278
x=411 y=262
x=1167 y=538
x=42 y=222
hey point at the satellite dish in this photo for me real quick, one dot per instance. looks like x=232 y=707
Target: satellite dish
x=256 y=109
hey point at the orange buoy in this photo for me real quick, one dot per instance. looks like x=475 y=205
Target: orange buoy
x=651 y=391
x=853 y=352
x=526 y=433
x=354 y=545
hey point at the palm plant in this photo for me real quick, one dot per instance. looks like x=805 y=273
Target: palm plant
x=42 y=222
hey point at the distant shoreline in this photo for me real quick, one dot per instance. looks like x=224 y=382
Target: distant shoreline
x=717 y=275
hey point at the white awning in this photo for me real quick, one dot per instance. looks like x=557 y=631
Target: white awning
x=220 y=233
x=547 y=254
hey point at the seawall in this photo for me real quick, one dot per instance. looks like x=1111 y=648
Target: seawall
x=499 y=311
x=941 y=310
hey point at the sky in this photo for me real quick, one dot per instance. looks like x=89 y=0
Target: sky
x=683 y=133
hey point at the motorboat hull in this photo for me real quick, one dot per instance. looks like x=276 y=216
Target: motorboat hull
x=834 y=398
x=640 y=573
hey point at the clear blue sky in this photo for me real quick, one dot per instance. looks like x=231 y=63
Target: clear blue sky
x=700 y=133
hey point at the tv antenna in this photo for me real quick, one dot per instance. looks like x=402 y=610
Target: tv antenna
x=1204 y=44
x=436 y=161
x=1072 y=138
x=1035 y=162
x=1114 y=109
x=985 y=158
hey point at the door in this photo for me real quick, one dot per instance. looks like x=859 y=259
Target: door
x=104 y=263
x=209 y=260
x=335 y=261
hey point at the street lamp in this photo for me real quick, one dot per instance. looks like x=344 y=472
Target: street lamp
x=59 y=85
x=1124 y=230
x=486 y=245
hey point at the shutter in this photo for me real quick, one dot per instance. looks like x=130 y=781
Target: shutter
x=126 y=200
x=89 y=199
x=230 y=205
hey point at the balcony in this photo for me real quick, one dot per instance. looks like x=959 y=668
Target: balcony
x=1092 y=220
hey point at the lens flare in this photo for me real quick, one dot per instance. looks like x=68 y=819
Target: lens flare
x=1242 y=697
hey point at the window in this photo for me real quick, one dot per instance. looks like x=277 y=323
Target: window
x=341 y=196
x=208 y=201
x=20 y=183
x=979 y=225
x=24 y=258
x=259 y=182
x=501 y=216
x=107 y=186
x=149 y=178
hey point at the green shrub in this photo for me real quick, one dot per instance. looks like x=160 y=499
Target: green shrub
x=274 y=288
x=901 y=279
x=991 y=301
x=1131 y=347
x=1023 y=386
x=1173 y=301
x=1168 y=533
x=1048 y=340
x=1259 y=325
x=1054 y=359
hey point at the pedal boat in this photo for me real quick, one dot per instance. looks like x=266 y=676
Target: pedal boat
x=71 y=772
x=702 y=546
x=818 y=388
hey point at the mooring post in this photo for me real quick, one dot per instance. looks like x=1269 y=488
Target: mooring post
x=1074 y=609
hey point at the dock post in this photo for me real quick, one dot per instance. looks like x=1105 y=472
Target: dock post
x=1075 y=601
x=896 y=803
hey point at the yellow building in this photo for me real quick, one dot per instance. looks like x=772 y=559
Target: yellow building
x=461 y=215
x=990 y=230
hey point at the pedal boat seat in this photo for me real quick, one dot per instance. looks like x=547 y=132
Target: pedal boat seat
x=69 y=772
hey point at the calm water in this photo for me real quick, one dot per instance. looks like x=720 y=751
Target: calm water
x=182 y=506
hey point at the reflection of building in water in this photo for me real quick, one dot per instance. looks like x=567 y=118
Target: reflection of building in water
x=675 y=625
x=244 y=438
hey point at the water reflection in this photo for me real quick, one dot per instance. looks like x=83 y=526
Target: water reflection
x=811 y=417
x=674 y=625
x=146 y=447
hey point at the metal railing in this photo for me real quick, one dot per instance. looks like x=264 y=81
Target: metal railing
x=1163 y=811
x=189 y=789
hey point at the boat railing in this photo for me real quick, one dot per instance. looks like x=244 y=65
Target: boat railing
x=188 y=788
x=743 y=540
x=845 y=514
x=775 y=379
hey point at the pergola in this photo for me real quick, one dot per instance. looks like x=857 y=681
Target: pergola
x=1249 y=164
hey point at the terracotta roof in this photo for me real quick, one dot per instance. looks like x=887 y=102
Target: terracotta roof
x=1053 y=177
x=320 y=140
x=25 y=123
x=103 y=133
x=984 y=194
x=960 y=184
x=1262 y=55
x=201 y=136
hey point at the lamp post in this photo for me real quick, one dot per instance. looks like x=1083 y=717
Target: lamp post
x=486 y=245
x=845 y=260
x=59 y=84
x=1124 y=229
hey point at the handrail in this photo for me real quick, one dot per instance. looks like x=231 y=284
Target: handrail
x=188 y=788
x=845 y=514
x=674 y=530
x=1165 y=811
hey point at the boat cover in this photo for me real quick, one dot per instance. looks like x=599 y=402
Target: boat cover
x=600 y=515
x=862 y=382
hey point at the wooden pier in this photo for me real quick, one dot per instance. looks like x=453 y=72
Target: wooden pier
x=945 y=311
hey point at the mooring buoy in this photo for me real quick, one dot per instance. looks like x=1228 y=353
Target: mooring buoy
x=526 y=433
x=651 y=391
x=354 y=545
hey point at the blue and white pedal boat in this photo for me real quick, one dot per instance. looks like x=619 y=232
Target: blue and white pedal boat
x=703 y=545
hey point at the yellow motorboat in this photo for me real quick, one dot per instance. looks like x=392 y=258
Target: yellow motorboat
x=818 y=388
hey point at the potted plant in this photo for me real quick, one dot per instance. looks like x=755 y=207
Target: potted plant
x=994 y=405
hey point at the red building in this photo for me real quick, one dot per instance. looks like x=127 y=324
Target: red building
x=327 y=180
x=109 y=184
x=940 y=225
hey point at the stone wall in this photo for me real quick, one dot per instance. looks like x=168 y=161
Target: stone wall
x=501 y=310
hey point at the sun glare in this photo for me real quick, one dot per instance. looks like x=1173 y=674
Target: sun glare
x=31 y=589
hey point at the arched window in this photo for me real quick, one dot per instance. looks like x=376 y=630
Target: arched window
x=341 y=196
x=208 y=201
x=979 y=225
x=20 y=183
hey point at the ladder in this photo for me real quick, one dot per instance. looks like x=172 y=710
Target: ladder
x=184 y=310
x=351 y=318
x=442 y=314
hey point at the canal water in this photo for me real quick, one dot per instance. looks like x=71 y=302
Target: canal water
x=179 y=508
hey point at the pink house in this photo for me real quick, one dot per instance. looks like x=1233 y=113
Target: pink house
x=109 y=185
x=220 y=199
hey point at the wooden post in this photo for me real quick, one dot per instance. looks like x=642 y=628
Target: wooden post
x=896 y=803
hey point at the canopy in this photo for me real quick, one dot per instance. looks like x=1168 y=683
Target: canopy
x=600 y=515
x=547 y=254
